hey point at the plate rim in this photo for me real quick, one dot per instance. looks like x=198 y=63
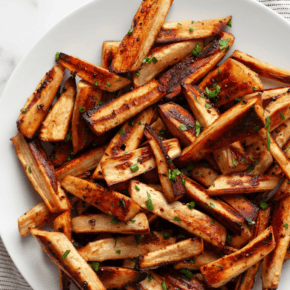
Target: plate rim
x=36 y=43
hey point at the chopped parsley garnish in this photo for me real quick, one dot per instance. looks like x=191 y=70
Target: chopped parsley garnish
x=208 y=106
x=285 y=226
x=287 y=149
x=254 y=89
x=67 y=138
x=256 y=127
x=191 y=205
x=230 y=23
x=177 y=219
x=109 y=84
x=118 y=252
x=269 y=138
x=183 y=127
x=115 y=241
x=197 y=128
x=224 y=43
x=172 y=174
x=252 y=223
x=237 y=100
x=228 y=238
x=57 y=56
x=234 y=162
x=29 y=169
x=138 y=239
x=96 y=266
x=211 y=205
x=25 y=111
x=212 y=222
x=191 y=29
x=134 y=167
x=115 y=220
x=183 y=181
x=130 y=31
x=132 y=221
x=149 y=203
x=110 y=213
x=219 y=71
x=188 y=275
x=122 y=132
x=82 y=109
x=163 y=285
x=166 y=235
x=96 y=83
x=197 y=50
x=282 y=116
x=263 y=204
x=137 y=74
x=70 y=156
x=150 y=59
x=65 y=254
x=149 y=277
x=268 y=122
x=137 y=188
x=251 y=168
x=190 y=166
x=192 y=22
x=214 y=93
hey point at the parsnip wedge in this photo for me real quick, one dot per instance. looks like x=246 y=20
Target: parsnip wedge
x=109 y=50
x=103 y=223
x=36 y=217
x=145 y=27
x=242 y=183
x=179 y=122
x=41 y=174
x=62 y=252
x=268 y=94
x=192 y=220
x=218 y=273
x=38 y=104
x=194 y=264
x=105 y=117
x=186 y=30
x=154 y=282
x=118 y=169
x=166 y=56
x=62 y=153
x=236 y=123
x=234 y=80
x=55 y=126
x=127 y=139
x=93 y=74
x=124 y=247
x=239 y=241
x=272 y=264
x=170 y=179
x=84 y=163
x=194 y=68
x=88 y=96
x=242 y=205
x=262 y=68
x=117 y=277
x=249 y=277
x=217 y=208
x=63 y=224
x=173 y=253
x=110 y=202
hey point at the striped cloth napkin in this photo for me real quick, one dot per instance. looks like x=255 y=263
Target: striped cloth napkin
x=10 y=278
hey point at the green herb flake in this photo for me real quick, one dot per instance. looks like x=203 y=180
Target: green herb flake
x=269 y=138
x=177 y=219
x=130 y=31
x=191 y=205
x=149 y=277
x=82 y=109
x=234 y=162
x=192 y=261
x=224 y=43
x=110 y=213
x=256 y=127
x=115 y=220
x=138 y=239
x=137 y=74
x=197 y=50
x=254 y=89
x=118 y=252
x=282 y=116
x=163 y=285
x=57 y=56
x=263 y=204
x=197 y=128
x=183 y=127
x=166 y=235
x=252 y=223
x=24 y=111
x=149 y=203
x=187 y=274
x=212 y=222
x=122 y=132
x=214 y=93
x=96 y=266
x=134 y=167
x=251 y=168
x=115 y=241
x=211 y=205
x=192 y=22
x=29 y=169
x=65 y=254
x=172 y=174
x=137 y=188
x=285 y=226
x=96 y=83
x=230 y=23
x=191 y=29
x=183 y=181
x=268 y=122
x=287 y=149
x=228 y=238
x=208 y=106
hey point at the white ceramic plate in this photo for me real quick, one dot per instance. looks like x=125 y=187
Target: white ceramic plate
x=258 y=31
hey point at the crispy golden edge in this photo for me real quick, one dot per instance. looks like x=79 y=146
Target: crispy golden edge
x=117 y=169
x=56 y=124
x=99 y=223
x=40 y=174
x=127 y=246
x=129 y=141
x=117 y=277
x=109 y=50
x=242 y=183
x=36 y=217
x=38 y=104
x=145 y=27
x=171 y=254
x=166 y=56
x=102 y=198
x=174 y=117
x=84 y=163
x=221 y=211
x=172 y=189
x=238 y=121
x=87 y=97
x=179 y=31
x=191 y=220
x=234 y=79
x=262 y=68
x=93 y=74
x=109 y=115
x=218 y=273
x=57 y=245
